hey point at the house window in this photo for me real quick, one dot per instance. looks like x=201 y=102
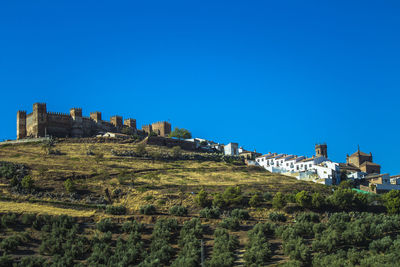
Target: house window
x=310 y=165
x=287 y=164
x=297 y=167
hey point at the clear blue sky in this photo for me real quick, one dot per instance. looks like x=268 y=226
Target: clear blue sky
x=272 y=75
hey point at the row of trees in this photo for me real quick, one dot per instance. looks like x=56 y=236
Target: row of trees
x=190 y=244
x=258 y=250
x=161 y=251
x=223 y=254
x=356 y=239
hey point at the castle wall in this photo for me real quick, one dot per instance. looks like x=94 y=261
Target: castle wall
x=58 y=124
x=87 y=127
x=40 y=123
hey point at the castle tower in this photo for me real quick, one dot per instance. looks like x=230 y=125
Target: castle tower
x=147 y=128
x=39 y=119
x=21 y=124
x=130 y=123
x=162 y=128
x=321 y=150
x=75 y=113
x=76 y=124
x=96 y=116
x=116 y=120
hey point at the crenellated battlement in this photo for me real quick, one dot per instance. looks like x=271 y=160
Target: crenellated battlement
x=41 y=123
x=58 y=114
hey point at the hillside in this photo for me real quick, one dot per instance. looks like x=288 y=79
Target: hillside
x=99 y=202
x=137 y=178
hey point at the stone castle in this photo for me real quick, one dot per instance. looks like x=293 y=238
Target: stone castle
x=41 y=123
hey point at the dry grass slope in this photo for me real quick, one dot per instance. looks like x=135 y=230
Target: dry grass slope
x=142 y=181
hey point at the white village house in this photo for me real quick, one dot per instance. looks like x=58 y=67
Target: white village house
x=231 y=149
x=317 y=168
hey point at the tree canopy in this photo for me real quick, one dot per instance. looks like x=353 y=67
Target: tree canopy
x=181 y=133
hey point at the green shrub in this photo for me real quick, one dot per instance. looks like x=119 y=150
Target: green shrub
x=296 y=249
x=232 y=196
x=147 y=210
x=178 y=210
x=267 y=196
x=11 y=243
x=40 y=221
x=304 y=199
x=279 y=201
x=210 y=213
x=28 y=218
x=6 y=260
x=27 y=182
x=381 y=245
x=230 y=224
x=161 y=202
x=255 y=200
x=307 y=217
x=240 y=214
x=202 y=199
x=148 y=198
x=392 y=201
x=32 y=261
x=347 y=199
x=106 y=225
x=131 y=227
x=346 y=184
x=69 y=185
x=8 y=220
x=115 y=210
x=317 y=200
x=277 y=217
x=218 y=201
x=9 y=170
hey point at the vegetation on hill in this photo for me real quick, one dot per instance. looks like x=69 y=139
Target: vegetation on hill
x=94 y=204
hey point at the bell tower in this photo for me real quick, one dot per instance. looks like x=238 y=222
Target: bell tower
x=321 y=150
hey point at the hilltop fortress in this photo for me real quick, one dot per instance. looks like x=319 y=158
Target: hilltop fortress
x=41 y=123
